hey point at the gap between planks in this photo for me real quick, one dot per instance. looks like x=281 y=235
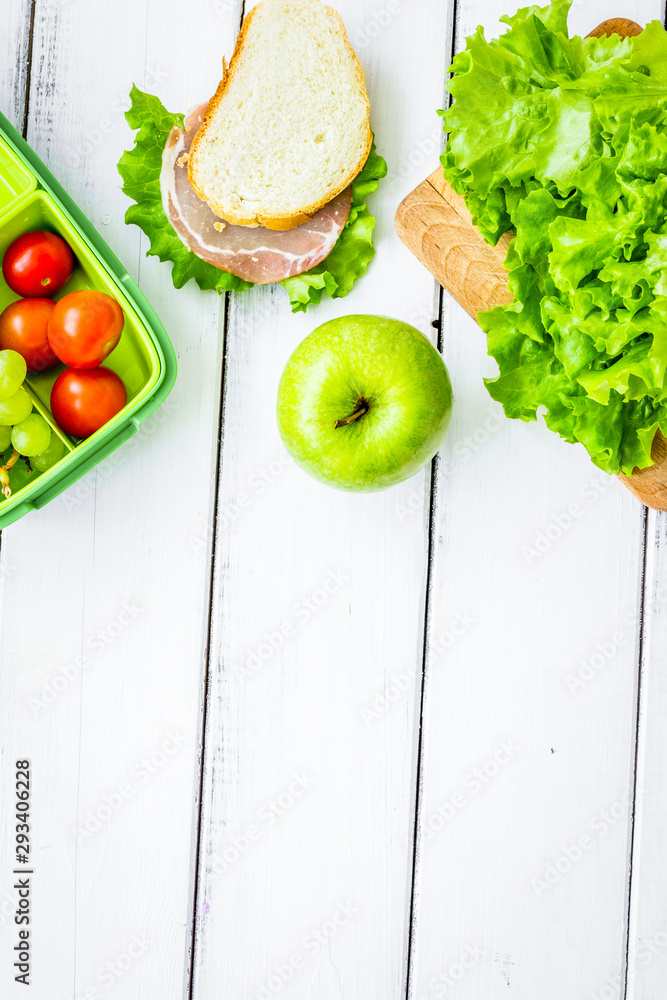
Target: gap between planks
x=26 y=104
x=197 y=833
x=635 y=826
x=432 y=503
x=449 y=52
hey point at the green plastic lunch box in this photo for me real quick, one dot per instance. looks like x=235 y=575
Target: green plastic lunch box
x=31 y=198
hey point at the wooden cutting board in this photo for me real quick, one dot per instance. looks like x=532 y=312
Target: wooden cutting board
x=435 y=224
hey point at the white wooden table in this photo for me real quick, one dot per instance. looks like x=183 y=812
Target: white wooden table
x=447 y=779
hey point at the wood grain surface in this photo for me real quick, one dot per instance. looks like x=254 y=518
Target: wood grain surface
x=435 y=224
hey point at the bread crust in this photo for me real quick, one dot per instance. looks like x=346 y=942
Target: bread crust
x=307 y=211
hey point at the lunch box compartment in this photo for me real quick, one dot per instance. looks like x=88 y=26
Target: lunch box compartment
x=30 y=198
x=15 y=179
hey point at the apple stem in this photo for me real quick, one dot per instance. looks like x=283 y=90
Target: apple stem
x=362 y=407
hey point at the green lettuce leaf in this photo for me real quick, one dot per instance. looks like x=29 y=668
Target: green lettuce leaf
x=563 y=141
x=353 y=251
x=140 y=168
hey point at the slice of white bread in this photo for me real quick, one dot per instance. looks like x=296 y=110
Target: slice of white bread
x=288 y=127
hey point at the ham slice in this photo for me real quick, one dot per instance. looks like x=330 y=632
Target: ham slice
x=256 y=254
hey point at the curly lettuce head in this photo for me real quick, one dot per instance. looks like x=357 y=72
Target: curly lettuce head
x=563 y=141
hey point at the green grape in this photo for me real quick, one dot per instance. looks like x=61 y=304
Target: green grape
x=12 y=373
x=49 y=456
x=31 y=436
x=15 y=408
x=5 y=438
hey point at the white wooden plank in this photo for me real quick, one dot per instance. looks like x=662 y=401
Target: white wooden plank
x=119 y=743
x=647 y=965
x=308 y=802
x=14 y=39
x=530 y=712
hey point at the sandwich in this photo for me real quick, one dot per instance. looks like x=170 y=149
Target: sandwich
x=267 y=181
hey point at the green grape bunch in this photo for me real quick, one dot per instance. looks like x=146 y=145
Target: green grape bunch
x=21 y=428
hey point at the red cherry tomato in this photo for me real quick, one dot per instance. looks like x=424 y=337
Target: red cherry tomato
x=83 y=401
x=23 y=328
x=84 y=328
x=37 y=264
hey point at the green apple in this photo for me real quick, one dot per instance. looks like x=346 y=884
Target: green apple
x=364 y=402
